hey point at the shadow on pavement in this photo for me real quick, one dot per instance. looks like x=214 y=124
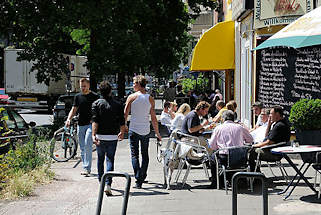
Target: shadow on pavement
x=311 y=199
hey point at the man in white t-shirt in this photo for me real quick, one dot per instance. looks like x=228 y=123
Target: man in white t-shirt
x=167 y=116
x=257 y=107
x=260 y=133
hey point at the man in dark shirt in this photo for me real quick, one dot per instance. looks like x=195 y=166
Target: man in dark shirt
x=278 y=130
x=108 y=125
x=192 y=123
x=82 y=105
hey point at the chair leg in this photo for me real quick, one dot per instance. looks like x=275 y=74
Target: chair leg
x=315 y=179
x=225 y=183
x=179 y=169
x=186 y=174
x=271 y=169
x=282 y=170
x=206 y=170
x=319 y=194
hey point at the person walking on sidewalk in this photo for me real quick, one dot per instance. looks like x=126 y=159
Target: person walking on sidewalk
x=108 y=125
x=141 y=105
x=82 y=105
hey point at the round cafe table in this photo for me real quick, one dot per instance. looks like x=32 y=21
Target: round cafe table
x=284 y=151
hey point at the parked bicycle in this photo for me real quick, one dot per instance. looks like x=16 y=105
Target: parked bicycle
x=63 y=145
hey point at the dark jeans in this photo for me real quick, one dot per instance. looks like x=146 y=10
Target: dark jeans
x=134 y=139
x=265 y=155
x=222 y=159
x=107 y=148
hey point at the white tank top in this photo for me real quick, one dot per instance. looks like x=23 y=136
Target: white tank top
x=140 y=110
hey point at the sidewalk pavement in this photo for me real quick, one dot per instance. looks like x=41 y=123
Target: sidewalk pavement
x=72 y=193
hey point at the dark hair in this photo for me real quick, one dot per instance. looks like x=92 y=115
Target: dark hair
x=278 y=109
x=105 y=89
x=167 y=104
x=202 y=105
x=228 y=115
x=258 y=104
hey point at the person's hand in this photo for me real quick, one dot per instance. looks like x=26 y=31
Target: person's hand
x=205 y=123
x=67 y=123
x=126 y=129
x=269 y=120
x=95 y=141
x=120 y=136
x=158 y=136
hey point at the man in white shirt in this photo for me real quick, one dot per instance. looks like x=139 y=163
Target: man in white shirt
x=260 y=133
x=166 y=116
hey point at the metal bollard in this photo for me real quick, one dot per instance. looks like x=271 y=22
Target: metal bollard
x=102 y=186
x=254 y=175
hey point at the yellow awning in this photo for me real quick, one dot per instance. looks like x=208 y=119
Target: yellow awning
x=215 y=49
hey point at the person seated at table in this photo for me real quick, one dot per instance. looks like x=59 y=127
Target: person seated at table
x=260 y=133
x=177 y=122
x=192 y=124
x=278 y=130
x=231 y=105
x=220 y=106
x=173 y=109
x=228 y=134
x=257 y=107
x=166 y=117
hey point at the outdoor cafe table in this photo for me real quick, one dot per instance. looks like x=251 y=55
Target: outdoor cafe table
x=284 y=151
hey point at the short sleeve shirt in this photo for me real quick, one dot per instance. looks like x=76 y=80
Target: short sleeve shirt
x=280 y=132
x=83 y=103
x=191 y=120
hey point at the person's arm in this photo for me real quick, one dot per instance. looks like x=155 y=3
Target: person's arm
x=247 y=137
x=198 y=127
x=213 y=141
x=265 y=143
x=122 y=125
x=94 y=132
x=153 y=117
x=129 y=101
x=171 y=113
x=268 y=127
x=70 y=115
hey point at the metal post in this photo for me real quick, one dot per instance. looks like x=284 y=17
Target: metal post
x=102 y=186
x=254 y=175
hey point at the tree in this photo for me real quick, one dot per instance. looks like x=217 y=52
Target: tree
x=116 y=36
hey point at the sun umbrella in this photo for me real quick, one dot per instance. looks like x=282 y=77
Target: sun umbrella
x=305 y=31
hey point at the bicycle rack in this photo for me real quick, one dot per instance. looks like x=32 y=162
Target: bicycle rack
x=103 y=184
x=254 y=175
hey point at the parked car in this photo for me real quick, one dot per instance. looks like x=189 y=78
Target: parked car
x=12 y=125
x=62 y=107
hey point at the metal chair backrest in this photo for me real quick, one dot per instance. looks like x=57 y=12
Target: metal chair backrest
x=237 y=157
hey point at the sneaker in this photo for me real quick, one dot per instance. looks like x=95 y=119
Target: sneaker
x=138 y=185
x=108 y=191
x=85 y=173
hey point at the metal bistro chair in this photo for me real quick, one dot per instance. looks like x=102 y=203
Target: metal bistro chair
x=237 y=158
x=195 y=146
x=272 y=158
x=317 y=167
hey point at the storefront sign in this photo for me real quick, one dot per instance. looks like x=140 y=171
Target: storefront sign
x=279 y=12
x=241 y=6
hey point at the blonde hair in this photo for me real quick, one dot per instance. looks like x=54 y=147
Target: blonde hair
x=184 y=109
x=141 y=80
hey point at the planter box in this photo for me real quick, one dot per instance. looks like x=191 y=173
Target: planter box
x=309 y=137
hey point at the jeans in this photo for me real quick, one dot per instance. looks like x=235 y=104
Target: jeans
x=107 y=148
x=140 y=171
x=86 y=145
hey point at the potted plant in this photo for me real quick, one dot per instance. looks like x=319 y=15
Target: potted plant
x=305 y=117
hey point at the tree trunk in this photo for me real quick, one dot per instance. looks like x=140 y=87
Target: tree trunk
x=121 y=84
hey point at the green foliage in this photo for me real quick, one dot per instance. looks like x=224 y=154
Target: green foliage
x=116 y=36
x=200 y=84
x=25 y=158
x=306 y=114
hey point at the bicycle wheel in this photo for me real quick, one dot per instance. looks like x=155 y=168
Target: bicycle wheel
x=63 y=147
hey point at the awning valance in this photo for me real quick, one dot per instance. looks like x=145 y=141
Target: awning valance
x=216 y=49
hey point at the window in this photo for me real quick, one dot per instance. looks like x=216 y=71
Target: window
x=21 y=124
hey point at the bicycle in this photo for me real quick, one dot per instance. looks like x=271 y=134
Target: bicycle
x=63 y=145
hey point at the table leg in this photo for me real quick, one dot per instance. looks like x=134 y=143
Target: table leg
x=287 y=196
x=300 y=173
x=291 y=182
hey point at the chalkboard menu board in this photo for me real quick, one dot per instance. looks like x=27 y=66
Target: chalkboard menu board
x=285 y=75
